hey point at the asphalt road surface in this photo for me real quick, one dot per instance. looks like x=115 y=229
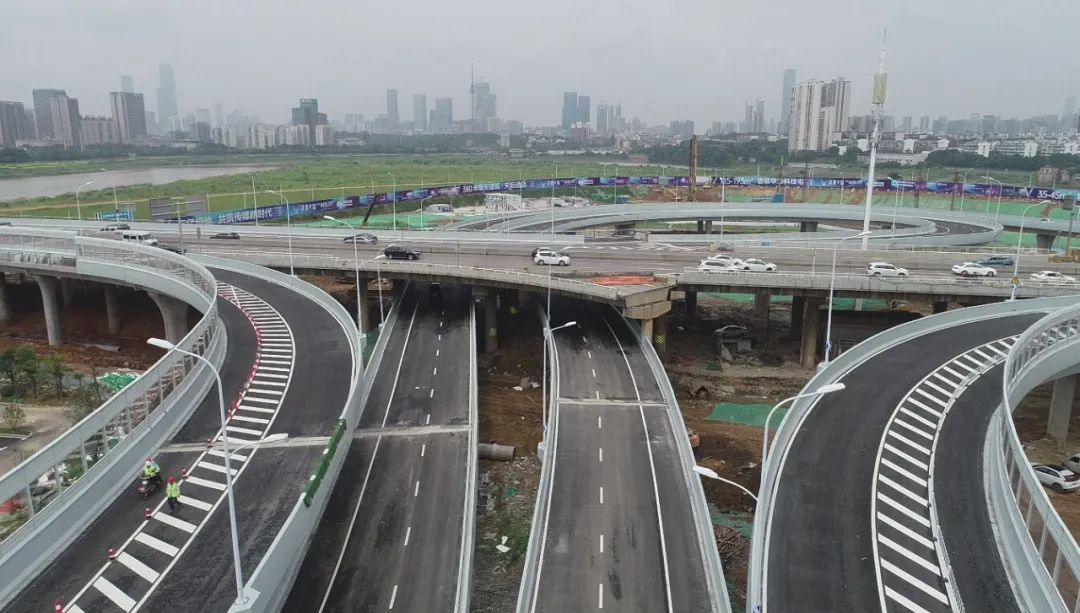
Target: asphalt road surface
x=391 y=536
x=820 y=555
x=620 y=532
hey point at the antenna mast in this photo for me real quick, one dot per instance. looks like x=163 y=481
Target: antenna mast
x=877 y=112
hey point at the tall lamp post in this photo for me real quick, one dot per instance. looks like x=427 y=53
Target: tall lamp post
x=78 y=206
x=241 y=597
x=288 y=222
x=824 y=389
x=254 y=200
x=1019 y=242
x=998 y=210
x=549 y=333
x=711 y=474
x=356 y=269
x=832 y=286
x=116 y=203
x=392 y=176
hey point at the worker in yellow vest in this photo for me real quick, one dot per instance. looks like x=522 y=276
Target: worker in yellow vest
x=172 y=494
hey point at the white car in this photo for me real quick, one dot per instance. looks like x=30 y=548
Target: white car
x=756 y=265
x=727 y=260
x=1073 y=463
x=1052 y=276
x=710 y=265
x=1057 y=478
x=973 y=269
x=551 y=258
x=885 y=269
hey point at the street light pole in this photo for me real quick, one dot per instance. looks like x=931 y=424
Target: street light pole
x=356 y=268
x=288 y=223
x=549 y=334
x=824 y=389
x=988 y=194
x=254 y=200
x=832 y=286
x=78 y=206
x=392 y=176
x=163 y=344
x=711 y=474
x=422 y=200
x=1019 y=243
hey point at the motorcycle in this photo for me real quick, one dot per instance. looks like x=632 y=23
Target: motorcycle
x=148 y=486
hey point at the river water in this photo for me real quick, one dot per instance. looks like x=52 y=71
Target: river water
x=55 y=185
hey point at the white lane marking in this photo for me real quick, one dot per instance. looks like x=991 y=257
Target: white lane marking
x=253 y=420
x=904 y=510
x=195 y=502
x=598 y=394
x=966 y=367
x=601 y=494
x=156 y=543
x=903 y=471
x=908 y=532
x=261 y=400
x=179 y=524
x=275 y=362
x=594 y=373
x=423 y=449
x=416 y=489
x=431 y=394
x=440 y=337
x=74 y=608
x=263 y=376
x=393 y=596
x=922 y=420
x=907 y=457
x=953 y=372
x=273 y=369
x=428 y=420
x=214 y=485
x=946 y=393
x=436 y=353
x=408 y=532
x=922 y=406
x=599 y=422
x=590 y=354
x=434 y=371
x=137 y=566
x=932 y=398
x=240 y=440
x=216 y=467
x=909 y=442
x=986 y=358
x=275 y=351
x=114 y=594
x=903 y=601
x=244 y=407
x=263 y=391
x=238 y=457
x=601 y=543
x=929 y=590
x=907 y=553
x=601 y=450
x=903 y=490
x=244 y=430
x=600 y=605
x=946 y=381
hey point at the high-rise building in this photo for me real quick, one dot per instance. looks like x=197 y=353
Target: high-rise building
x=989 y=124
x=127 y=83
x=12 y=122
x=166 y=95
x=419 y=112
x=759 y=117
x=905 y=124
x=307 y=114
x=486 y=107
x=392 y=108
x=354 y=122
x=99 y=131
x=605 y=114
x=219 y=116
x=202 y=116
x=66 y=127
x=129 y=113
x=1069 y=111
x=941 y=125
x=442 y=116
x=42 y=114
x=584 y=109
x=819 y=114
x=924 y=124
x=748 y=118
x=569 y=109
x=682 y=129
x=785 y=99
x=888 y=123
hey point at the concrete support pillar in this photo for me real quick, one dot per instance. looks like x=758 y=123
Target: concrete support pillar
x=365 y=312
x=808 y=226
x=525 y=298
x=1061 y=404
x=700 y=226
x=939 y=306
x=690 y=305
x=708 y=227
x=5 y=310
x=491 y=313
x=761 y=314
x=51 y=308
x=112 y=310
x=660 y=334
x=65 y=291
x=647 y=330
x=798 y=307
x=811 y=324
x=1044 y=241
x=174 y=312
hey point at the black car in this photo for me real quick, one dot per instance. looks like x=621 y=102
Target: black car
x=226 y=235
x=174 y=248
x=398 y=251
x=995 y=261
x=363 y=238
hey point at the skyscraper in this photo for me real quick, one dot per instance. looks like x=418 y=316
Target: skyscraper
x=127 y=84
x=1069 y=113
x=785 y=99
x=442 y=116
x=42 y=113
x=583 y=109
x=129 y=113
x=419 y=112
x=166 y=95
x=486 y=106
x=604 y=115
x=819 y=114
x=66 y=126
x=759 y=117
x=391 y=108
x=569 y=109
x=12 y=116
x=219 y=115
x=905 y=124
x=924 y=124
x=748 y=118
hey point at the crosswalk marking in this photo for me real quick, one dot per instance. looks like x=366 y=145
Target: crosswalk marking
x=234 y=457
x=115 y=594
x=265 y=392
x=927 y=395
x=195 y=502
x=930 y=591
x=260 y=400
x=214 y=485
x=256 y=409
x=915 y=401
x=909 y=442
x=156 y=543
x=244 y=430
x=215 y=467
x=258 y=380
x=903 y=471
x=937 y=387
x=137 y=566
x=273 y=369
x=922 y=420
x=254 y=420
x=912 y=428
x=262 y=375
x=175 y=522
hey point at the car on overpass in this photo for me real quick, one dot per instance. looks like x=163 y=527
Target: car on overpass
x=973 y=269
x=1057 y=478
x=1053 y=276
x=885 y=269
x=724 y=259
x=718 y=266
x=756 y=265
x=399 y=251
x=996 y=261
x=363 y=238
x=226 y=236
x=551 y=258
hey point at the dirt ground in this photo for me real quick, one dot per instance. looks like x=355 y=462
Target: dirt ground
x=45 y=422
x=1030 y=418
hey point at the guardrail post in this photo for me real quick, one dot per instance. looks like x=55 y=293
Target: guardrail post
x=29 y=502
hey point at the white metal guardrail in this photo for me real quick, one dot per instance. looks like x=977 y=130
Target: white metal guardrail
x=468 y=538
x=792 y=423
x=1039 y=552
x=64 y=485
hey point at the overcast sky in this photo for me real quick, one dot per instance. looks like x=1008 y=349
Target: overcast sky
x=693 y=59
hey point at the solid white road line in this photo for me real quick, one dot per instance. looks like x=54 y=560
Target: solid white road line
x=259 y=380
x=903 y=471
x=904 y=601
x=273 y=369
x=903 y=490
x=408 y=532
x=137 y=566
x=262 y=400
x=601 y=543
x=907 y=553
x=259 y=374
x=214 y=485
x=393 y=596
x=156 y=543
x=195 y=502
x=904 y=510
x=908 y=532
x=114 y=594
x=179 y=524
x=929 y=590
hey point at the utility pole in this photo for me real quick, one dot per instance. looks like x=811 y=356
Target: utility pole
x=877 y=112
x=693 y=167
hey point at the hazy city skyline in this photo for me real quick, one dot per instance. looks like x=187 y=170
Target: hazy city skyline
x=703 y=68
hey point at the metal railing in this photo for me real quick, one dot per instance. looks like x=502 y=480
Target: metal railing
x=41 y=488
x=1046 y=564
